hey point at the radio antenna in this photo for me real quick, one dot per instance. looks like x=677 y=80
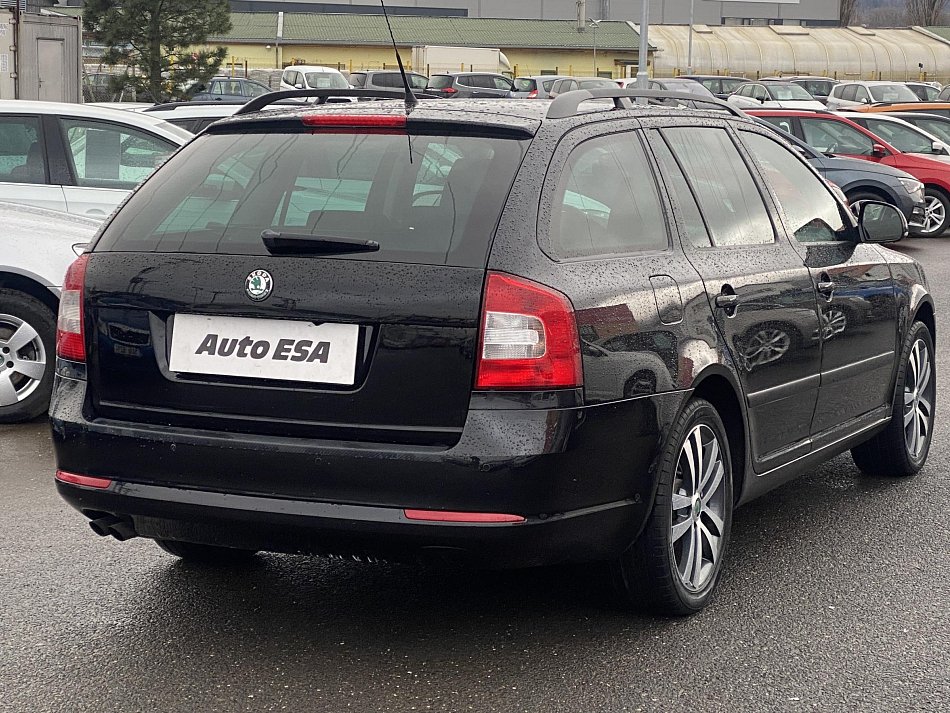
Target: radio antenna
x=411 y=100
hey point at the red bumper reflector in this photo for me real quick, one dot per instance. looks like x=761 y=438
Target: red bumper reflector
x=85 y=480
x=444 y=516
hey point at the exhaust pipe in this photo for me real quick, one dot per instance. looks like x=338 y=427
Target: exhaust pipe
x=120 y=529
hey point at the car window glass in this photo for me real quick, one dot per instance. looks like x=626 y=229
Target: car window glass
x=21 y=150
x=944 y=94
x=326 y=80
x=829 y=136
x=607 y=201
x=483 y=81
x=892 y=93
x=812 y=213
x=430 y=199
x=861 y=94
x=789 y=92
x=729 y=85
x=525 y=85
x=502 y=83
x=940 y=129
x=849 y=92
x=687 y=210
x=785 y=123
x=106 y=155
x=358 y=80
x=440 y=81
x=726 y=191
x=903 y=138
x=712 y=85
x=255 y=90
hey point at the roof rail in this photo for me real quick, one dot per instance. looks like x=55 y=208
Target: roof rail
x=177 y=105
x=322 y=95
x=565 y=105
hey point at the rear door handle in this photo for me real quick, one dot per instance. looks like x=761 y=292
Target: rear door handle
x=727 y=301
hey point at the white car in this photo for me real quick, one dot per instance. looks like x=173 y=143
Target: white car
x=849 y=95
x=311 y=76
x=773 y=95
x=37 y=247
x=76 y=158
x=192 y=116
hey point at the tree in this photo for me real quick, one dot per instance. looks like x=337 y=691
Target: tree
x=925 y=12
x=159 y=41
x=849 y=12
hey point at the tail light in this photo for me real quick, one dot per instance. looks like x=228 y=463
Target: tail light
x=69 y=325
x=533 y=94
x=528 y=338
x=450 y=90
x=355 y=121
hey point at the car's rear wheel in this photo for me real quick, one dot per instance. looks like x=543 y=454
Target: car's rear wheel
x=205 y=554
x=674 y=566
x=901 y=449
x=936 y=213
x=27 y=356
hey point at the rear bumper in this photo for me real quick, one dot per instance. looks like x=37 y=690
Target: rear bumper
x=582 y=479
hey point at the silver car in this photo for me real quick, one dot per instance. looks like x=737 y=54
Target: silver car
x=37 y=247
x=537 y=87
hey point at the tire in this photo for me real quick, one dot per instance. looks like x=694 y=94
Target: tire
x=205 y=554
x=27 y=356
x=654 y=574
x=937 y=213
x=900 y=450
x=865 y=196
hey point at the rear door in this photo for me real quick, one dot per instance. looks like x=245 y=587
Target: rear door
x=200 y=325
x=760 y=292
x=106 y=160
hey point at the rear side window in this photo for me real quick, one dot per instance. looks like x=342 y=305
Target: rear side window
x=730 y=85
x=21 y=150
x=607 y=201
x=440 y=81
x=358 y=79
x=223 y=190
x=107 y=155
x=724 y=187
x=691 y=220
x=849 y=92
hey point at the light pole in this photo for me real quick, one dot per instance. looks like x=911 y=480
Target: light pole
x=689 y=52
x=593 y=24
x=643 y=54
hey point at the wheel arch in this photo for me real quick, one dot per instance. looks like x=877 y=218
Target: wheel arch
x=31 y=286
x=718 y=387
x=924 y=312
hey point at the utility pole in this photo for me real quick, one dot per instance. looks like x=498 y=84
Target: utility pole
x=593 y=25
x=689 y=52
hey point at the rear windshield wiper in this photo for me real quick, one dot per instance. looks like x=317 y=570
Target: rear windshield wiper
x=303 y=244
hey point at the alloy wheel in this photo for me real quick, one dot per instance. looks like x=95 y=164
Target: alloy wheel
x=699 y=508
x=935 y=213
x=918 y=399
x=22 y=360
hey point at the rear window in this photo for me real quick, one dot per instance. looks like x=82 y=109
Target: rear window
x=216 y=196
x=440 y=81
x=525 y=85
x=892 y=93
x=326 y=80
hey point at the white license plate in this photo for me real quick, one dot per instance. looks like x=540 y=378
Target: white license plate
x=264 y=348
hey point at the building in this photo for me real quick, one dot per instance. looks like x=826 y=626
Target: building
x=709 y=12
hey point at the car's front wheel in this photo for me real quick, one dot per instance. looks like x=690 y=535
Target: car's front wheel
x=936 y=213
x=674 y=566
x=901 y=449
x=27 y=356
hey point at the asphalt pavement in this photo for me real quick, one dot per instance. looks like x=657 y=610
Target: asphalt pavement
x=835 y=597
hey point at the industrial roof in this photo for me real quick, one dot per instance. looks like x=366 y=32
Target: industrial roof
x=410 y=30
x=840 y=52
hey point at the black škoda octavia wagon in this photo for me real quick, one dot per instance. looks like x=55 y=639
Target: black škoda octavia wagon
x=515 y=332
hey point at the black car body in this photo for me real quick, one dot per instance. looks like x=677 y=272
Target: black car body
x=469 y=85
x=863 y=180
x=474 y=320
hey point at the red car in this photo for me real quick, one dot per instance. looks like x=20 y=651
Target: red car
x=833 y=134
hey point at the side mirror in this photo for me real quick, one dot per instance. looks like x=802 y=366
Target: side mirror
x=879 y=151
x=881 y=222
x=939 y=148
x=761 y=99
x=298 y=86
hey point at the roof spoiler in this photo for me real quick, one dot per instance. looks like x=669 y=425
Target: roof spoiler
x=323 y=95
x=565 y=105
